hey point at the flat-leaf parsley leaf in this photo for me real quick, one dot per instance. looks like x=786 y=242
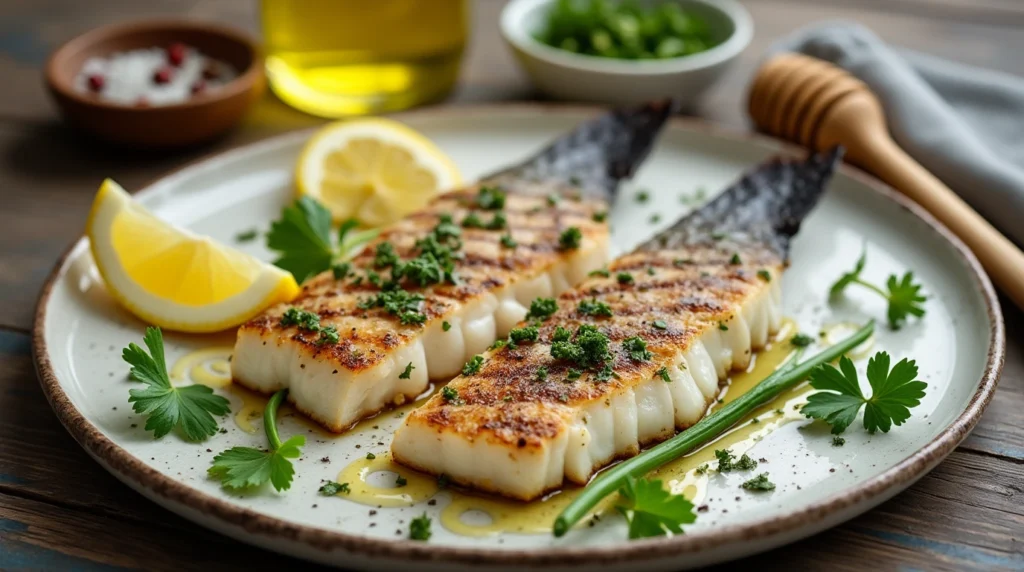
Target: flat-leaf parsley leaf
x=650 y=510
x=893 y=393
x=902 y=293
x=245 y=467
x=303 y=240
x=190 y=408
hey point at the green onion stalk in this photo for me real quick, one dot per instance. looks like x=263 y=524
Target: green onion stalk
x=788 y=375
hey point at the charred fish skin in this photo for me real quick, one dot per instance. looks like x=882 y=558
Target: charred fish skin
x=596 y=156
x=526 y=422
x=508 y=256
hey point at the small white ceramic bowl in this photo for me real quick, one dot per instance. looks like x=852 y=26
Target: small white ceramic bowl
x=566 y=75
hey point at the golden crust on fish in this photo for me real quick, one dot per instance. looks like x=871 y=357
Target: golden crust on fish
x=493 y=278
x=676 y=299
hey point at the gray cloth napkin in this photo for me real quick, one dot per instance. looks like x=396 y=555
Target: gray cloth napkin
x=964 y=124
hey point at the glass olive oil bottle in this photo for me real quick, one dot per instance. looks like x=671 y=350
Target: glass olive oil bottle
x=349 y=57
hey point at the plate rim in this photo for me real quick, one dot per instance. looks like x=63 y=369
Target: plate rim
x=139 y=476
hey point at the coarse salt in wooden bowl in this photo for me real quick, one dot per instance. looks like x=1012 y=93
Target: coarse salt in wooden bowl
x=199 y=118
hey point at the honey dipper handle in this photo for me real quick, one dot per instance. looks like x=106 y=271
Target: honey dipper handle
x=876 y=152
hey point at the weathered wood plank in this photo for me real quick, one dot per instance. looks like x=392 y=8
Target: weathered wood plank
x=37 y=535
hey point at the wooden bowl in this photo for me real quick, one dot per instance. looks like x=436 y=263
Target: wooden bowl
x=200 y=118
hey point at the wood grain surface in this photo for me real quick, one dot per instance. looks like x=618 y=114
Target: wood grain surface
x=60 y=510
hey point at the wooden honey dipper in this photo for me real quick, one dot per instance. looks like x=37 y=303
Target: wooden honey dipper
x=819 y=105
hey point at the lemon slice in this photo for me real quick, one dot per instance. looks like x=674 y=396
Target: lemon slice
x=374 y=170
x=172 y=278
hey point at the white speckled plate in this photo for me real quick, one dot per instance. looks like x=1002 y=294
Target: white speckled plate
x=959 y=346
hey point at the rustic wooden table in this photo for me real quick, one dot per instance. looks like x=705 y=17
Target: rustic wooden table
x=59 y=509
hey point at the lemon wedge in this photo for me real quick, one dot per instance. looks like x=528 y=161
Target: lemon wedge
x=374 y=170
x=172 y=278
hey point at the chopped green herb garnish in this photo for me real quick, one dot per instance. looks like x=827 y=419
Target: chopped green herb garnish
x=385 y=255
x=624 y=278
x=735 y=258
x=642 y=196
x=838 y=441
x=491 y=198
x=446 y=326
x=407 y=372
x=727 y=462
x=498 y=344
x=594 y=308
x=451 y=395
x=508 y=242
x=660 y=325
x=602 y=272
x=331 y=488
x=341 y=270
x=553 y=200
x=328 y=335
x=759 y=483
x=606 y=373
x=247 y=235
x=542 y=309
x=304 y=320
x=636 y=347
x=570 y=238
x=663 y=374
x=723 y=327
x=587 y=348
x=542 y=373
x=400 y=481
x=764 y=275
x=524 y=334
x=600 y=216
x=654 y=219
x=472 y=220
x=472 y=366
x=370 y=456
x=498 y=222
x=405 y=305
x=801 y=340
x=419 y=528
x=573 y=374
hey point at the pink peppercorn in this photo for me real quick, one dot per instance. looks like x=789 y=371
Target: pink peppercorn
x=96 y=82
x=176 y=54
x=162 y=75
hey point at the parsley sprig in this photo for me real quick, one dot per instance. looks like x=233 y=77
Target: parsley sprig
x=650 y=510
x=902 y=293
x=839 y=397
x=246 y=467
x=303 y=239
x=189 y=408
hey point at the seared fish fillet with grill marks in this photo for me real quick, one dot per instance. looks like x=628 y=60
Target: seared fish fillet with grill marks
x=704 y=295
x=368 y=369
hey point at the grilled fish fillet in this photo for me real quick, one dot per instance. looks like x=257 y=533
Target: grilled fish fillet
x=378 y=360
x=702 y=296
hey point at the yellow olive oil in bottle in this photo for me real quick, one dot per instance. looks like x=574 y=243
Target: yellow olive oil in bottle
x=349 y=57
